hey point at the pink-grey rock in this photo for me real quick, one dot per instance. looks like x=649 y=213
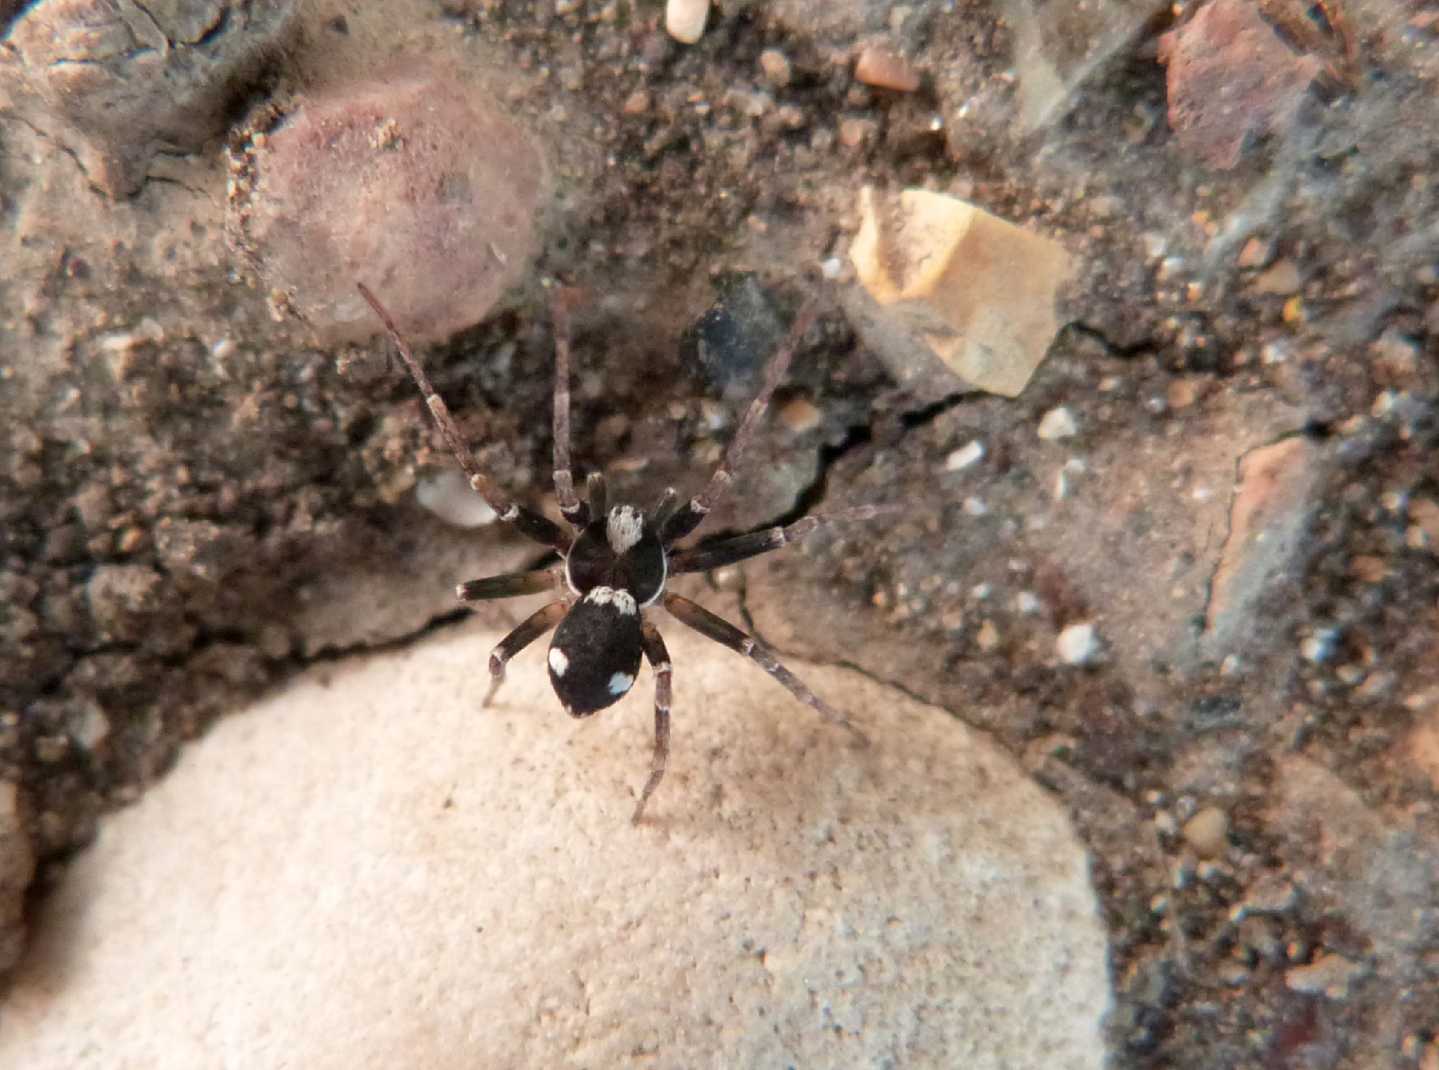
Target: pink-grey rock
x=369 y=870
x=1230 y=76
x=118 y=82
x=416 y=185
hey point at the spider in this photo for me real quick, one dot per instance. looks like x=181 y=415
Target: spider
x=617 y=559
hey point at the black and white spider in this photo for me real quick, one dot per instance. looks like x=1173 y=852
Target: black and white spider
x=616 y=562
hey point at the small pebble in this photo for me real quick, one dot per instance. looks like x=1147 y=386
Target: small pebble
x=1207 y=831
x=964 y=456
x=685 y=19
x=1057 y=423
x=1329 y=975
x=882 y=67
x=800 y=415
x=447 y=494
x=776 y=67
x=988 y=637
x=1281 y=278
x=637 y=103
x=1078 y=645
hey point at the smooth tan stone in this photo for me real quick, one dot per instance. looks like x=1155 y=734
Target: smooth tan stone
x=977 y=291
x=368 y=870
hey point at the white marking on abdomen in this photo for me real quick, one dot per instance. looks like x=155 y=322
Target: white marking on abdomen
x=558 y=662
x=621 y=682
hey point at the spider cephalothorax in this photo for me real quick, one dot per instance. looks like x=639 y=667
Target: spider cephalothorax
x=617 y=560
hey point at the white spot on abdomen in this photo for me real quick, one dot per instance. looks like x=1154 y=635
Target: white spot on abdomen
x=621 y=682
x=558 y=662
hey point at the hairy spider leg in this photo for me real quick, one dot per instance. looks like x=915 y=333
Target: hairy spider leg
x=509 y=585
x=571 y=508
x=659 y=659
x=528 y=630
x=725 y=633
x=692 y=513
x=728 y=551
x=526 y=521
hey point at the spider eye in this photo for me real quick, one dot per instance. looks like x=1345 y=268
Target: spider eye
x=595 y=655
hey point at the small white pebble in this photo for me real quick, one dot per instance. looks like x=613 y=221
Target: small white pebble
x=975 y=507
x=685 y=19
x=831 y=268
x=1319 y=647
x=964 y=456
x=1057 y=423
x=776 y=67
x=1078 y=645
x=1028 y=603
x=448 y=495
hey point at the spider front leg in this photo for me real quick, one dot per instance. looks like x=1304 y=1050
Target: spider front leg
x=659 y=659
x=742 y=547
x=509 y=585
x=529 y=522
x=690 y=515
x=526 y=633
x=571 y=508
x=725 y=633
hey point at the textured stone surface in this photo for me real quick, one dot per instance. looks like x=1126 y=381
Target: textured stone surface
x=368 y=870
x=416 y=185
x=119 y=82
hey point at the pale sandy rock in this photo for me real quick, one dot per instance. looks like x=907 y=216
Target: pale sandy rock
x=685 y=19
x=978 y=292
x=369 y=870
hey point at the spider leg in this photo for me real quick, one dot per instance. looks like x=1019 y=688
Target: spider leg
x=692 y=513
x=508 y=585
x=530 y=629
x=571 y=508
x=529 y=523
x=659 y=659
x=728 y=551
x=598 y=495
x=725 y=633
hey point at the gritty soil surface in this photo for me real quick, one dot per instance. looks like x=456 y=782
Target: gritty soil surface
x=1246 y=513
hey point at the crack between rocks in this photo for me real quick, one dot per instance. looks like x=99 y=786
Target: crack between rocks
x=66 y=149
x=1114 y=349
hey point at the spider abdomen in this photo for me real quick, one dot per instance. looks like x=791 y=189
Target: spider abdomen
x=595 y=654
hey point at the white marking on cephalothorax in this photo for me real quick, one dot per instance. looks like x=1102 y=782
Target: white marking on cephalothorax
x=621 y=682
x=624 y=527
x=611 y=596
x=558 y=662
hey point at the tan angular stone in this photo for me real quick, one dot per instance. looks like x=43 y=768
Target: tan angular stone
x=977 y=291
